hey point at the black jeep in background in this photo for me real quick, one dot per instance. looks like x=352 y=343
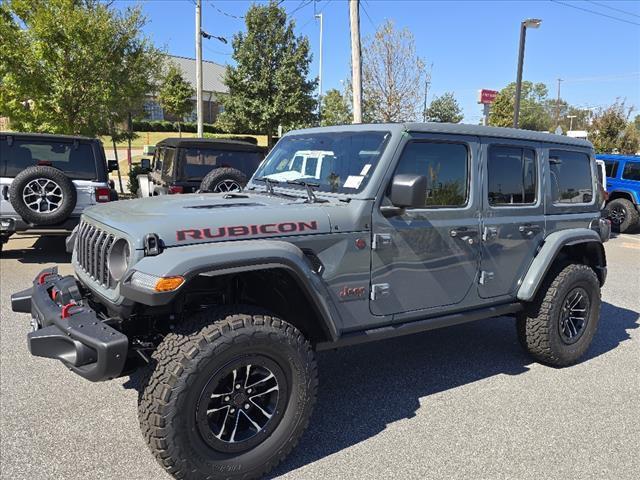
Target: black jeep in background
x=185 y=165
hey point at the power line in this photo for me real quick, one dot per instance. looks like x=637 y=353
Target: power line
x=614 y=8
x=595 y=13
x=303 y=4
x=367 y=14
x=230 y=15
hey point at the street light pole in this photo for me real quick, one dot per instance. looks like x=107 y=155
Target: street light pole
x=199 y=111
x=356 y=62
x=319 y=16
x=530 y=23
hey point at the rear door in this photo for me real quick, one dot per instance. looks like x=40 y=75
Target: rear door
x=513 y=219
x=425 y=258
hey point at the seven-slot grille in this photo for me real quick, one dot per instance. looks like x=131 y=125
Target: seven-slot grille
x=92 y=249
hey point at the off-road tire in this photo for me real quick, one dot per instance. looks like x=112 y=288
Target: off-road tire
x=538 y=326
x=66 y=206
x=191 y=355
x=631 y=216
x=212 y=180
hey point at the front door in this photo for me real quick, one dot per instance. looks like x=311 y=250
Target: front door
x=427 y=257
x=513 y=219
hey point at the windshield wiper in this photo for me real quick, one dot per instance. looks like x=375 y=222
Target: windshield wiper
x=311 y=196
x=270 y=182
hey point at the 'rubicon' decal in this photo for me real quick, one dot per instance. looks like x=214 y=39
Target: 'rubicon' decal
x=245 y=230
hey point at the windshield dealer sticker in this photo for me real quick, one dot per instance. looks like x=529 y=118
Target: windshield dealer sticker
x=353 y=181
x=365 y=169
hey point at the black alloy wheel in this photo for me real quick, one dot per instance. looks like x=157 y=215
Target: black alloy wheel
x=574 y=315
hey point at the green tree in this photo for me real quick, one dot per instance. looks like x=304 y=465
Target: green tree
x=629 y=142
x=335 y=109
x=268 y=86
x=392 y=76
x=608 y=127
x=72 y=66
x=534 y=114
x=445 y=109
x=636 y=122
x=175 y=94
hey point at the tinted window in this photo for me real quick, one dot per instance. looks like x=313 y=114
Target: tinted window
x=444 y=165
x=631 y=171
x=570 y=177
x=75 y=159
x=512 y=176
x=167 y=161
x=611 y=168
x=197 y=162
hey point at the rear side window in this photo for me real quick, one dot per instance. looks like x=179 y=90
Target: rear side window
x=611 y=168
x=167 y=161
x=197 y=162
x=512 y=176
x=571 y=180
x=75 y=159
x=446 y=167
x=631 y=171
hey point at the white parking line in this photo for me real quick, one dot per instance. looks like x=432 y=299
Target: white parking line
x=626 y=236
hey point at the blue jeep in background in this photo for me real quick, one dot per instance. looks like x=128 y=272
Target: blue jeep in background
x=623 y=186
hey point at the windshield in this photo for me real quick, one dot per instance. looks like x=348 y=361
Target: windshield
x=340 y=162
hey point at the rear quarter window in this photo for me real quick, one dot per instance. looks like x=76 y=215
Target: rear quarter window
x=631 y=171
x=571 y=180
x=75 y=159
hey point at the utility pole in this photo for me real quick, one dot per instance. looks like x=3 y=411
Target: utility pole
x=319 y=16
x=529 y=23
x=558 y=104
x=427 y=83
x=356 y=62
x=199 y=68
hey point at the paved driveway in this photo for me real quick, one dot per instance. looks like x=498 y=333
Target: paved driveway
x=463 y=402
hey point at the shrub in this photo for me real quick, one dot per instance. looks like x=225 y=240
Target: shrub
x=133 y=184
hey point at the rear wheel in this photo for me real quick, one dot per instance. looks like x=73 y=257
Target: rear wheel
x=230 y=394
x=558 y=326
x=623 y=215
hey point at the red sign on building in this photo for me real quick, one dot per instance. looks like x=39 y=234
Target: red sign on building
x=487 y=96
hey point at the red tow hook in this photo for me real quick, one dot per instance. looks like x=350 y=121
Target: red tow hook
x=65 y=309
x=43 y=276
x=54 y=292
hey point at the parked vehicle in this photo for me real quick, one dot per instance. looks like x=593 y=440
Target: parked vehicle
x=48 y=180
x=224 y=298
x=185 y=165
x=623 y=187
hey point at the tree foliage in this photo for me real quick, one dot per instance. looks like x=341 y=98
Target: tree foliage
x=608 y=127
x=73 y=66
x=392 y=76
x=175 y=93
x=445 y=109
x=534 y=113
x=335 y=109
x=629 y=143
x=269 y=85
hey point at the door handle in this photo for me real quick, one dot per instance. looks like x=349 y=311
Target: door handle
x=529 y=229
x=464 y=234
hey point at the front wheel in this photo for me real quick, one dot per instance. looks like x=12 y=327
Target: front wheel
x=230 y=394
x=558 y=326
x=623 y=215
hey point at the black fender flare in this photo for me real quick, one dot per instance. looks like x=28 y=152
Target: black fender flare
x=236 y=257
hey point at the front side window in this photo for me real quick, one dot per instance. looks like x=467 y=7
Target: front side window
x=512 y=176
x=446 y=167
x=631 y=171
x=75 y=159
x=339 y=162
x=611 y=168
x=571 y=180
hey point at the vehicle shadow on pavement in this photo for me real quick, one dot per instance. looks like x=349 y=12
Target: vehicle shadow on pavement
x=45 y=249
x=363 y=389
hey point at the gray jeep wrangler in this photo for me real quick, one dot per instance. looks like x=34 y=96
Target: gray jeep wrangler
x=343 y=235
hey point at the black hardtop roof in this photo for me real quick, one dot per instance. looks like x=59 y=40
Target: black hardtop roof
x=221 y=143
x=49 y=136
x=455 y=129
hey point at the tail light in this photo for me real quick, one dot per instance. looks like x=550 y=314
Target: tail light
x=175 y=189
x=103 y=194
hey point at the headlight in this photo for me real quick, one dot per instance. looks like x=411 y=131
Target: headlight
x=118 y=259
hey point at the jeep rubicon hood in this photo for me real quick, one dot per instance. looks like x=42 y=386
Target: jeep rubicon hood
x=200 y=218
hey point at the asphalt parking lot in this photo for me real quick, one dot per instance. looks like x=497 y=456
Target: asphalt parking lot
x=463 y=402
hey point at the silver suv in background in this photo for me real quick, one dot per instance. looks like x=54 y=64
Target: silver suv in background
x=46 y=181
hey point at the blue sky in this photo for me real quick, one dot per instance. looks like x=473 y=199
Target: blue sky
x=471 y=44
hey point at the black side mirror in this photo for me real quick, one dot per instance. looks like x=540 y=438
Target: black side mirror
x=409 y=191
x=112 y=165
x=145 y=164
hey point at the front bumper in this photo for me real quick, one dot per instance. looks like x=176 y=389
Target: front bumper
x=67 y=329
